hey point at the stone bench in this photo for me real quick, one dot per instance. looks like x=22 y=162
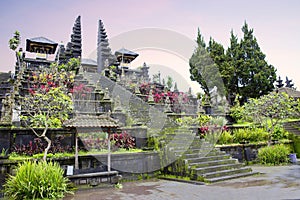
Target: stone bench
x=96 y=178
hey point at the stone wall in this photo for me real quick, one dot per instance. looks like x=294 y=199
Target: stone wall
x=139 y=133
x=21 y=136
x=244 y=152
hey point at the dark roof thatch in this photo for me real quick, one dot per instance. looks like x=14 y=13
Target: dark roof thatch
x=126 y=52
x=92 y=121
x=87 y=61
x=5 y=76
x=125 y=55
x=41 y=45
x=290 y=91
x=41 y=40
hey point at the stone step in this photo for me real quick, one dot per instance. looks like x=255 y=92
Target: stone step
x=203 y=153
x=207 y=158
x=203 y=146
x=213 y=163
x=217 y=168
x=210 y=150
x=226 y=172
x=229 y=177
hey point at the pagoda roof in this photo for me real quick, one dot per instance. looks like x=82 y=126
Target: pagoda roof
x=92 y=121
x=88 y=61
x=42 y=40
x=125 y=55
x=124 y=52
x=40 y=44
x=290 y=91
x=5 y=76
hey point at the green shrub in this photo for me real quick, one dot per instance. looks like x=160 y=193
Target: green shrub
x=296 y=143
x=258 y=135
x=250 y=135
x=273 y=155
x=37 y=180
x=225 y=138
x=279 y=133
x=240 y=135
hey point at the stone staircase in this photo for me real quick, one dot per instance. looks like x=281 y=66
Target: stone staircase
x=292 y=127
x=203 y=160
x=206 y=162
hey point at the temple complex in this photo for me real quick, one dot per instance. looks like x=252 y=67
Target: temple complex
x=106 y=93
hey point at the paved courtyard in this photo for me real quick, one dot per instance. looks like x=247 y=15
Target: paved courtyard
x=281 y=182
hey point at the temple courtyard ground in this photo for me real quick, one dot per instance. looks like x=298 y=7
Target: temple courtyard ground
x=280 y=182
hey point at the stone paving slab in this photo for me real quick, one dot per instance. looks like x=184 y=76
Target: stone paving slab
x=282 y=183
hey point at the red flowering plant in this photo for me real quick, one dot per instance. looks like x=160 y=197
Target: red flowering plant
x=122 y=140
x=80 y=91
x=202 y=131
x=214 y=127
x=49 y=78
x=159 y=96
x=48 y=103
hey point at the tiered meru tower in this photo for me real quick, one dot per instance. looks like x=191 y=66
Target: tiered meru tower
x=73 y=48
x=104 y=55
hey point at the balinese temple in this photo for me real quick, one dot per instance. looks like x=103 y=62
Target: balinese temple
x=73 y=48
x=37 y=53
x=104 y=55
x=279 y=83
x=89 y=65
x=125 y=56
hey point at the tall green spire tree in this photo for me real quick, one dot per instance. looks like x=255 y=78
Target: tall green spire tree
x=256 y=76
x=217 y=53
x=233 y=61
x=242 y=68
x=202 y=67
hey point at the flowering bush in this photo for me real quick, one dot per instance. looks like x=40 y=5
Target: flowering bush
x=37 y=146
x=98 y=141
x=123 y=140
x=160 y=96
x=202 y=131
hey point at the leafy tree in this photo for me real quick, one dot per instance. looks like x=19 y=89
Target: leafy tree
x=241 y=69
x=44 y=110
x=48 y=103
x=170 y=82
x=14 y=43
x=269 y=109
x=202 y=67
x=233 y=60
x=256 y=76
x=71 y=65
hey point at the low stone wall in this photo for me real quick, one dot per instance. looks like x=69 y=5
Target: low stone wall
x=139 y=133
x=128 y=163
x=21 y=136
x=244 y=152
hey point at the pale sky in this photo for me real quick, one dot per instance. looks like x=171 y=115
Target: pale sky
x=275 y=23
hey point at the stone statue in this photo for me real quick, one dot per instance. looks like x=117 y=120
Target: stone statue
x=175 y=88
x=150 y=97
x=180 y=98
x=155 y=78
x=214 y=95
x=168 y=105
x=106 y=94
x=117 y=102
x=199 y=106
x=122 y=73
x=106 y=64
x=6 y=111
x=137 y=89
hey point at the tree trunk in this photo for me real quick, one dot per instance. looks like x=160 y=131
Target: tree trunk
x=48 y=147
x=76 y=151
